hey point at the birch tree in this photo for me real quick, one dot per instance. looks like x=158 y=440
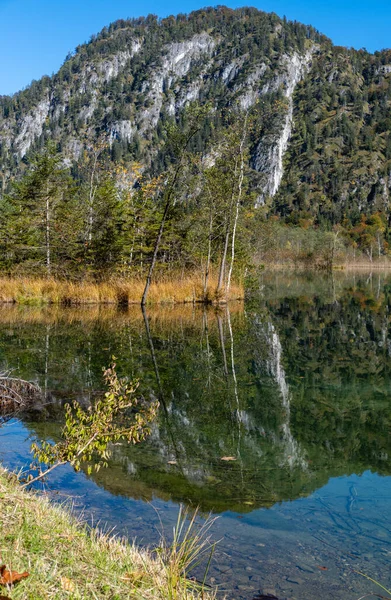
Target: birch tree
x=226 y=188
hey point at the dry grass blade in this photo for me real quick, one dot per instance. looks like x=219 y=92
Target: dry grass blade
x=191 y=546
x=376 y=583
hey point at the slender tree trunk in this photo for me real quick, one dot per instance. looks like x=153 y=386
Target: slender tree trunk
x=160 y=234
x=47 y=238
x=207 y=267
x=155 y=253
x=225 y=252
x=91 y=198
x=169 y=195
x=227 y=235
x=238 y=200
x=223 y=261
x=233 y=247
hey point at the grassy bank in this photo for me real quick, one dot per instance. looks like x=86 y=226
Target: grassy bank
x=65 y=559
x=50 y=291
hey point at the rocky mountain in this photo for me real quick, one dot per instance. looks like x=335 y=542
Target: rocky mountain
x=321 y=144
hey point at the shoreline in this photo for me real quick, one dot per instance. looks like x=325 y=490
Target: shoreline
x=173 y=291
x=118 y=292
x=339 y=267
x=64 y=557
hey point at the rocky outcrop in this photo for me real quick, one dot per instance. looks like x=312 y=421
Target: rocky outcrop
x=177 y=62
x=269 y=155
x=20 y=135
x=31 y=127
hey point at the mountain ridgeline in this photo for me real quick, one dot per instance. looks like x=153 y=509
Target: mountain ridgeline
x=319 y=144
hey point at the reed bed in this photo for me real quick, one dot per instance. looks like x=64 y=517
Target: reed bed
x=116 y=292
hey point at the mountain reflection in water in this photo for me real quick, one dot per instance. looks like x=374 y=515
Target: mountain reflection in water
x=295 y=385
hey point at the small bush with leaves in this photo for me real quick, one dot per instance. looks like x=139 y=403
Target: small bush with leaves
x=87 y=434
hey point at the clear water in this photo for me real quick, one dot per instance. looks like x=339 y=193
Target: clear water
x=295 y=384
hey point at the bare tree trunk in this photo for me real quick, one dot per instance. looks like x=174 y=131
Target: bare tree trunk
x=169 y=195
x=155 y=252
x=223 y=261
x=238 y=200
x=207 y=267
x=91 y=198
x=47 y=237
x=226 y=243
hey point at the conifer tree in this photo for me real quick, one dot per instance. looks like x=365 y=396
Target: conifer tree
x=38 y=211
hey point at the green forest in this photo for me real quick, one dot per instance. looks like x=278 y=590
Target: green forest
x=116 y=176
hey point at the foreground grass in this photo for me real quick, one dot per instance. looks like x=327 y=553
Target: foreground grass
x=66 y=559
x=51 y=291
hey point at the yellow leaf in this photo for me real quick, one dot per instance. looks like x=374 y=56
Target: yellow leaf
x=67 y=584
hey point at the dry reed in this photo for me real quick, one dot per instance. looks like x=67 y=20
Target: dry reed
x=115 y=292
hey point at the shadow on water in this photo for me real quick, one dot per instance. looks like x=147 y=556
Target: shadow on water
x=275 y=415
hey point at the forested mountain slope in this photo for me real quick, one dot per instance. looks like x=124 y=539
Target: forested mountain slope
x=320 y=142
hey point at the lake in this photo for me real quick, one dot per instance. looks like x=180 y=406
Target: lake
x=294 y=385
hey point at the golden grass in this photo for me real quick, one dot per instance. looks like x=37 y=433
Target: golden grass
x=66 y=559
x=50 y=291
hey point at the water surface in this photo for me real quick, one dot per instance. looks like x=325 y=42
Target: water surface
x=295 y=385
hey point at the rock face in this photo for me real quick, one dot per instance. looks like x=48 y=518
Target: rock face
x=271 y=149
x=30 y=127
x=331 y=116
x=21 y=134
x=176 y=63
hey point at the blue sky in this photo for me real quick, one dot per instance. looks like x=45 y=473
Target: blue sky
x=36 y=35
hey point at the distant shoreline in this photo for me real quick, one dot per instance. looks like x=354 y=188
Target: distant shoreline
x=348 y=266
